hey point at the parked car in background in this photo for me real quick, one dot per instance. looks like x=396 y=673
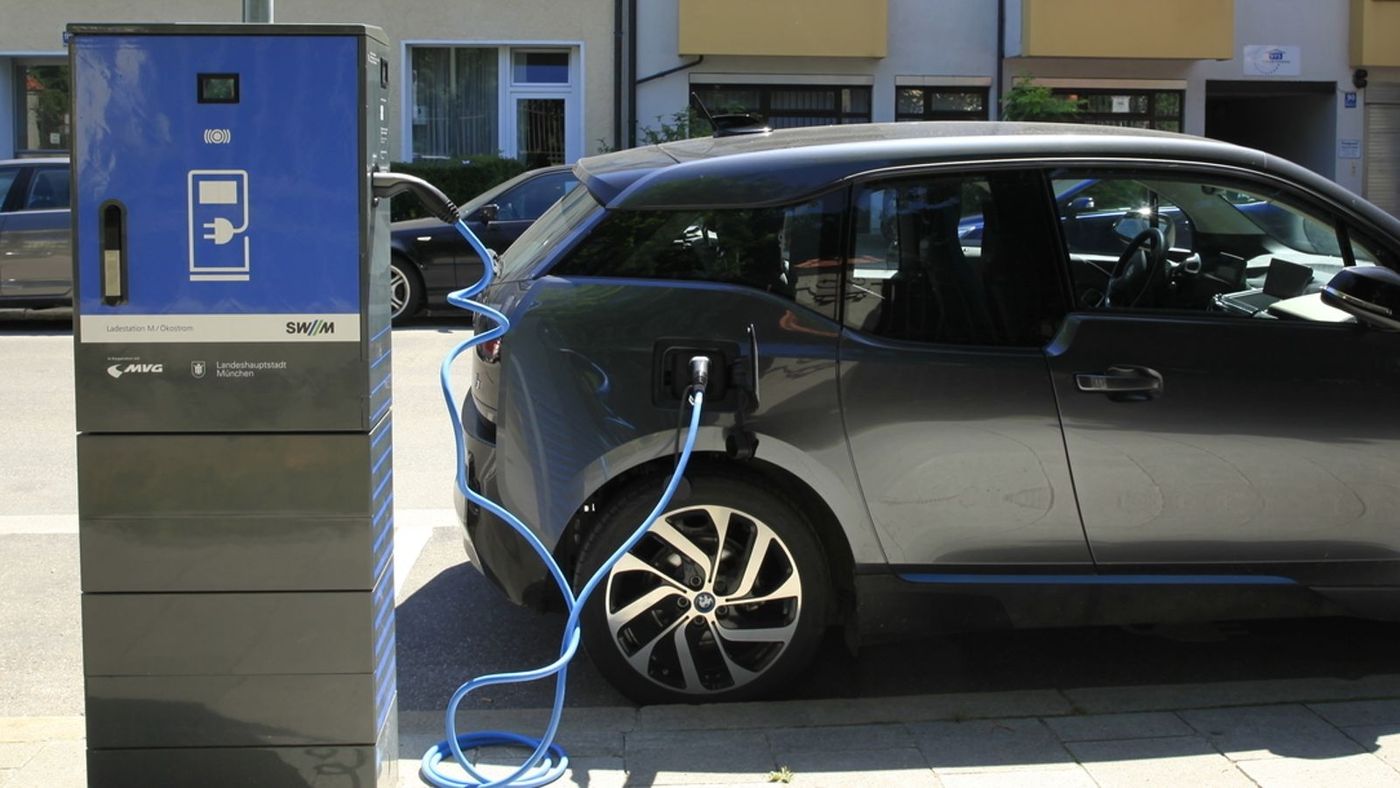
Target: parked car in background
x=36 y=260
x=429 y=258
x=963 y=375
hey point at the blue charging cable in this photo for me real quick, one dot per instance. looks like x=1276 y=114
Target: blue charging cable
x=548 y=761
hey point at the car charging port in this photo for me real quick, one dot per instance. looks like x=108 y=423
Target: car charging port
x=673 y=364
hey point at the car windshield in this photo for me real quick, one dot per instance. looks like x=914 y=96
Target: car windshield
x=553 y=226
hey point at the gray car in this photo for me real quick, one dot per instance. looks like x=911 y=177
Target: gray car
x=36 y=261
x=943 y=398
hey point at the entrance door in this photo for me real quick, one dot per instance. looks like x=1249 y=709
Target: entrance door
x=947 y=400
x=1383 y=146
x=1218 y=416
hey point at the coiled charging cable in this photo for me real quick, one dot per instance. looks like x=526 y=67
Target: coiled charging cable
x=548 y=761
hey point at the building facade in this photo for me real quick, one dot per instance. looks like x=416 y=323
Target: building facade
x=1316 y=81
x=518 y=79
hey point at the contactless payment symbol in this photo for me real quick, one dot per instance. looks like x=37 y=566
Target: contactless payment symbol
x=218 y=226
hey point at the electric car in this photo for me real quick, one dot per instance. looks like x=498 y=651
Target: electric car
x=428 y=257
x=940 y=397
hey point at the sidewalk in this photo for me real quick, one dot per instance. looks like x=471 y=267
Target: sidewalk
x=1268 y=733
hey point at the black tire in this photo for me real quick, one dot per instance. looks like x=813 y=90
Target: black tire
x=404 y=274
x=654 y=633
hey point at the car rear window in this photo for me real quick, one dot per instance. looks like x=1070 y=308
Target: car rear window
x=791 y=251
x=552 y=227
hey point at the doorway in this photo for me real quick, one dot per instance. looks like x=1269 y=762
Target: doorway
x=1294 y=120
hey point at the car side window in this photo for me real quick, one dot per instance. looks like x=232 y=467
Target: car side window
x=952 y=259
x=791 y=251
x=48 y=190
x=7 y=179
x=529 y=200
x=1211 y=244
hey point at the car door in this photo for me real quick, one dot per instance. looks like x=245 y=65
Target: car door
x=519 y=207
x=948 y=405
x=35 y=254
x=1227 y=422
x=9 y=177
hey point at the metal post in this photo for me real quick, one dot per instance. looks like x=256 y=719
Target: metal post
x=257 y=11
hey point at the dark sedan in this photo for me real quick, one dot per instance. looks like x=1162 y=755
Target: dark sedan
x=430 y=259
x=36 y=265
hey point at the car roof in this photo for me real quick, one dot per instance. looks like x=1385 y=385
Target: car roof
x=787 y=165
x=34 y=161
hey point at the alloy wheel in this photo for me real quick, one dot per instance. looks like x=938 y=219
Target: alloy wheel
x=400 y=290
x=706 y=601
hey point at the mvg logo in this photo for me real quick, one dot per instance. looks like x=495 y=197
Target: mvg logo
x=117 y=370
x=311 y=328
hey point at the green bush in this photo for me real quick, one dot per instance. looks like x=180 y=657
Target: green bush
x=460 y=181
x=1027 y=101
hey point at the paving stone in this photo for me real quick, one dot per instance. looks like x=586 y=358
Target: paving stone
x=14 y=755
x=843 y=737
x=1383 y=740
x=876 y=768
x=1054 y=778
x=1142 y=725
x=980 y=745
x=594 y=773
x=1253 y=732
x=1350 y=714
x=1167 y=762
x=59 y=764
x=1348 y=770
x=698 y=757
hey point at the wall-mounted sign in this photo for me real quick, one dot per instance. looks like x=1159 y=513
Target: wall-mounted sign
x=1348 y=149
x=1271 y=60
x=1349 y=99
x=1122 y=103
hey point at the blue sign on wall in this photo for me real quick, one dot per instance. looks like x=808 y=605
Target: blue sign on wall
x=1349 y=98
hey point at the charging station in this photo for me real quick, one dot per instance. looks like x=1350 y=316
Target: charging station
x=232 y=352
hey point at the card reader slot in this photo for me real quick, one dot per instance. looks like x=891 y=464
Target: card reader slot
x=112 y=215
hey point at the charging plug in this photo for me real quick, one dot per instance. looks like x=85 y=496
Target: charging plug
x=699 y=372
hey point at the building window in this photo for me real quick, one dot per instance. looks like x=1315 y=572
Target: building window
x=41 y=111
x=788 y=106
x=1142 y=109
x=940 y=103
x=481 y=101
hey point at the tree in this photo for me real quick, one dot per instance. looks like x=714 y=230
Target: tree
x=1027 y=101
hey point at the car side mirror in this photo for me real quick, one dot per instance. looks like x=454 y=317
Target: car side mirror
x=1371 y=294
x=486 y=214
x=1080 y=205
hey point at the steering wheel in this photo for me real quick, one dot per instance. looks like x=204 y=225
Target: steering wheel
x=1132 y=274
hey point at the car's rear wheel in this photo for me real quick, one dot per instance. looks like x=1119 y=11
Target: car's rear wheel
x=405 y=289
x=725 y=597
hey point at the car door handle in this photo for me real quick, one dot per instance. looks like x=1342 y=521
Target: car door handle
x=1122 y=383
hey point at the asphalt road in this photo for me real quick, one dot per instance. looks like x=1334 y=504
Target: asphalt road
x=453 y=625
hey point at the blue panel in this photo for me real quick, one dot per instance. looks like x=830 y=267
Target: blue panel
x=219 y=220
x=1098 y=580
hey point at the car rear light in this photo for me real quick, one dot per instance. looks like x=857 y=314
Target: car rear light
x=489 y=351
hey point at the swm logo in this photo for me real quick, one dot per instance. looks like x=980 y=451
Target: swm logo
x=117 y=370
x=311 y=328
x=217 y=136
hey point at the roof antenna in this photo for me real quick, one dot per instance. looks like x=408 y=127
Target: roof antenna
x=730 y=124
